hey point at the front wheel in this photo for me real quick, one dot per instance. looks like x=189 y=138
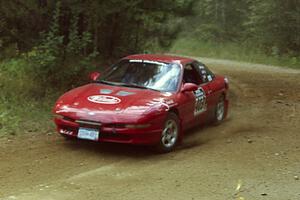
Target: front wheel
x=169 y=135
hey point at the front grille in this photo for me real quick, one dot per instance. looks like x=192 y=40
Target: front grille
x=68 y=119
x=115 y=125
x=84 y=122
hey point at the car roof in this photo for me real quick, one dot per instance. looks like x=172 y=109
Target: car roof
x=160 y=58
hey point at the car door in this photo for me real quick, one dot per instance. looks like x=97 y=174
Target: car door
x=209 y=82
x=194 y=104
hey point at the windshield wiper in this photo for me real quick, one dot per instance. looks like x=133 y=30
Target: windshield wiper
x=137 y=86
x=105 y=82
x=125 y=85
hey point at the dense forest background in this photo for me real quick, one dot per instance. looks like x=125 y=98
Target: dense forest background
x=250 y=30
x=47 y=47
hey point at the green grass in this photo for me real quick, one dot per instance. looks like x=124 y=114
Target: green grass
x=25 y=105
x=22 y=117
x=231 y=51
x=22 y=109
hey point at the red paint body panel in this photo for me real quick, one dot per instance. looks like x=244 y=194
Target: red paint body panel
x=122 y=106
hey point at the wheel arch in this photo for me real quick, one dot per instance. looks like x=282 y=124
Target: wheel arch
x=223 y=94
x=176 y=111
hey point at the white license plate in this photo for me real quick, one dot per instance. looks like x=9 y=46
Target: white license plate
x=88 y=134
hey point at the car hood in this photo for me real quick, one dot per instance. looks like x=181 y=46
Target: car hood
x=110 y=104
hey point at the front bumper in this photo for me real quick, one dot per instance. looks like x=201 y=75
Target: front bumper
x=110 y=133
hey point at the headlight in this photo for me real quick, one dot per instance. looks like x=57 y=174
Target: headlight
x=226 y=80
x=226 y=83
x=137 y=126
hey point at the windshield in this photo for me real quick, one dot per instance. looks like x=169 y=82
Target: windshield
x=144 y=74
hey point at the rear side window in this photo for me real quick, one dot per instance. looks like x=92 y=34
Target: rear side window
x=205 y=74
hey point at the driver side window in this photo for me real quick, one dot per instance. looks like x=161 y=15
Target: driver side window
x=190 y=74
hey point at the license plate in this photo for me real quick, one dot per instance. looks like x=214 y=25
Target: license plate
x=88 y=134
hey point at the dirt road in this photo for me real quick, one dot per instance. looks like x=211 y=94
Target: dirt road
x=254 y=154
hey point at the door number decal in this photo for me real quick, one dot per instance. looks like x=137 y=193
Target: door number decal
x=200 y=104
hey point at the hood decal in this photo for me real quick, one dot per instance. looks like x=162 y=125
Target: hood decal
x=105 y=91
x=124 y=93
x=104 y=99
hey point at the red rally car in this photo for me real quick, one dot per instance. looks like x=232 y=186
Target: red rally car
x=143 y=99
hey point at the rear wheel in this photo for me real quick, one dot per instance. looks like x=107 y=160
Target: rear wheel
x=169 y=135
x=220 y=110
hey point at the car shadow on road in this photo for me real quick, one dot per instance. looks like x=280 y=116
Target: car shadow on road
x=107 y=149
x=193 y=138
x=204 y=134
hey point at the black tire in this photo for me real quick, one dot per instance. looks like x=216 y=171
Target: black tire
x=170 y=134
x=220 y=110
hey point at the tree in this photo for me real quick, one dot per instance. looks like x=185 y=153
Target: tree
x=276 y=25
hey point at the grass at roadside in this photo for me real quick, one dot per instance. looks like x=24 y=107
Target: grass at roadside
x=25 y=104
x=230 y=51
x=22 y=109
x=23 y=117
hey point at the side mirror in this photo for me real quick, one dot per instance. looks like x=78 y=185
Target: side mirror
x=94 y=76
x=189 y=87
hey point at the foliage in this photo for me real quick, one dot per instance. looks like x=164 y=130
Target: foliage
x=20 y=107
x=52 y=58
x=234 y=51
x=117 y=27
x=73 y=32
x=276 y=25
x=272 y=26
